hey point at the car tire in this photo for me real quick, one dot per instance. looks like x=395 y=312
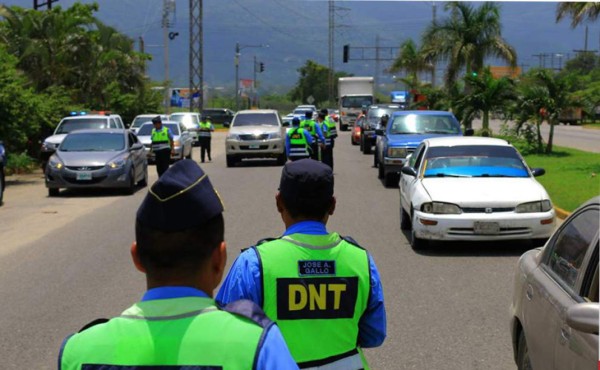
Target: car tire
x=416 y=243
x=189 y=156
x=390 y=180
x=380 y=171
x=538 y=242
x=131 y=188
x=231 y=161
x=144 y=181
x=523 y=360
x=343 y=127
x=405 y=222
x=2 y=185
x=281 y=159
x=367 y=147
x=352 y=140
x=53 y=192
x=362 y=143
x=376 y=159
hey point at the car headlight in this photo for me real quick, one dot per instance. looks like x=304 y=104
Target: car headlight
x=176 y=143
x=49 y=147
x=532 y=207
x=232 y=137
x=397 y=152
x=117 y=163
x=275 y=135
x=441 y=208
x=55 y=163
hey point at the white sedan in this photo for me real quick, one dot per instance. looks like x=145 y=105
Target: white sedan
x=473 y=189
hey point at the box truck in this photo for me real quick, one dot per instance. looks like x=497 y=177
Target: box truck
x=354 y=94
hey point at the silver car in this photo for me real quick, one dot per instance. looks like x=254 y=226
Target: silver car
x=140 y=119
x=554 y=313
x=191 y=121
x=97 y=158
x=255 y=134
x=182 y=140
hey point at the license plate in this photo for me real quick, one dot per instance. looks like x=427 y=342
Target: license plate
x=254 y=146
x=84 y=176
x=486 y=228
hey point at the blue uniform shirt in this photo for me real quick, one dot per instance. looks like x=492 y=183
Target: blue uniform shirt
x=273 y=353
x=309 y=140
x=244 y=282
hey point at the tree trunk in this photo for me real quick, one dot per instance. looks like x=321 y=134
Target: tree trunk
x=538 y=123
x=550 y=137
x=486 y=123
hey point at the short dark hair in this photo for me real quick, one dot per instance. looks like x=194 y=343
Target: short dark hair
x=178 y=252
x=312 y=209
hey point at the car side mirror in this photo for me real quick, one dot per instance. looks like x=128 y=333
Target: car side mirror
x=285 y=124
x=136 y=146
x=584 y=317
x=379 y=132
x=407 y=170
x=469 y=132
x=226 y=124
x=537 y=172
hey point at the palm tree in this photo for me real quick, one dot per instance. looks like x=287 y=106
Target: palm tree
x=578 y=11
x=466 y=38
x=410 y=61
x=485 y=94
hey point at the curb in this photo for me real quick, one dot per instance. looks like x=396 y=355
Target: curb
x=561 y=213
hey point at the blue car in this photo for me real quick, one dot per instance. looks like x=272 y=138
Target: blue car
x=404 y=132
x=2 y=165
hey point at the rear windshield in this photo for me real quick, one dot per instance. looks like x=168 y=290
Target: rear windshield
x=474 y=161
x=189 y=120
x=423 y=124
x=146 y=130
x=138 y=121
x=356 y=101
x=376 y=113
x=93 y=142
x=255 y=119
x=69 y=125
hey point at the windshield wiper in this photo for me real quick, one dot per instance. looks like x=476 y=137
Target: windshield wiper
x=445 y=175
x=491 y=175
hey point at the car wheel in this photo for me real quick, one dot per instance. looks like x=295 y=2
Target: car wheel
x=131 y=188
x=523 y=360
x=376 y=159
x=367 y=147
x=343 y=127
x=189 y=156
x=53 y=192
x=405 y=223
x=352 y=141
x=230 y=161
x=416 y=243
x=2 y=184
x=362 y=143
x=390 y=180
x=538 y=242
x=380 y=171
x=281 y=159
x=144 y=181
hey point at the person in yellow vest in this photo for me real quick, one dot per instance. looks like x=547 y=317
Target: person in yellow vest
x=327 y=151
x=204 y=137
x=322 y=289
x=311 y=126
x=298 y=142
x=162 y=145
x=177 y=325
x=331 y=136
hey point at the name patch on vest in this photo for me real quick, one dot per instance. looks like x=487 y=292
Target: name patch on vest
x=308 y=268
x=316 y=298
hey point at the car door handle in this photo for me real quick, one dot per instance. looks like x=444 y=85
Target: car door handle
x=565 y=335
x=529 y=292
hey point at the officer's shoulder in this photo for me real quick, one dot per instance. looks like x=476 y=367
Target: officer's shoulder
x=92 y=324
x=260 y=242
x=349 y=239
x=249 y=310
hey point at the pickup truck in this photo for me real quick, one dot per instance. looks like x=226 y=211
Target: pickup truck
x=404 y=132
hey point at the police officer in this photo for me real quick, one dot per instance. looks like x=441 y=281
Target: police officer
x=327 y=152
x=323 y=290
x=204 y=137
x=179 y=247
x=315 y=131
x=162 y=145
x=298 y=142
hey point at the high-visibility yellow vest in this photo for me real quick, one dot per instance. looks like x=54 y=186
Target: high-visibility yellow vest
x=160 y=139
x=299 y=147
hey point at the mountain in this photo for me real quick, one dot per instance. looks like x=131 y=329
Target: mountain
x=298 y=30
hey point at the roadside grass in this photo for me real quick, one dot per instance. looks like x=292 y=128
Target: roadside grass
x=595 y=125
x=572 y=176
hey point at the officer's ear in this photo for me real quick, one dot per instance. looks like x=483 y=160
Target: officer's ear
x=136 y=258
x=279 y=202
x=332 y=207
x=218 y=260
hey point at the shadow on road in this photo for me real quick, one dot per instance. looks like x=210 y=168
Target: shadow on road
x=95 y=193
x=257 y=163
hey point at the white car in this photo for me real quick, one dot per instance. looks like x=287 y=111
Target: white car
x=140 y=119
x=554 y=311
x=472 y=189
x=255 y=134
x=191 y=121
x=182 y=140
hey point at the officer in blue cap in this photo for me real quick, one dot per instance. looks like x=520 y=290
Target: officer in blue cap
x=322 y=289
x=180 y=247
x=298 y=142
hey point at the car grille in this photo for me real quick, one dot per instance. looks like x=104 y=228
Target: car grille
x=249 y=137
x=487 y=210
x=504 y=231
x=94 y=180
x=260 y=147
x=84 y=168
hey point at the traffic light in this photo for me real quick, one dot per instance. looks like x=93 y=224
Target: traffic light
x=262 y=67
x=346 y=53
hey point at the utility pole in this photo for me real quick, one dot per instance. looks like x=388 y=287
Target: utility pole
x=376 y=77
x=330 y=89
x=168 y=8
x=196 y=61
x=141 y=39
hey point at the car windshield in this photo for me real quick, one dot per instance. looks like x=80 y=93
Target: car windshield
x=146 y=130
x=423 y=124
x=93 y=142
x=376 y=113
x=187 y=119
x=302 y=111
x=255 y=119
x=356 y=101
x=69 y=125
x=474 y=161
x=138 y=121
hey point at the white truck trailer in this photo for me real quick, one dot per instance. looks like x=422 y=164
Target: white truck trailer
x=354 y=94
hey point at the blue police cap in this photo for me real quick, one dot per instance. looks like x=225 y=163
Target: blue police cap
x=182 y=198
x=306 y=180
x=308 y=114
x=157 y=119
x=295 y=121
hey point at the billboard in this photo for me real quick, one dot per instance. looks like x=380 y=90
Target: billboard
x=180 y=97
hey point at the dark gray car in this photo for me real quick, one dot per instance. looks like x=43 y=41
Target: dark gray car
x=98 y=159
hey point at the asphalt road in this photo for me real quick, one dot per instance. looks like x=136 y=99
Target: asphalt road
x=65 y=261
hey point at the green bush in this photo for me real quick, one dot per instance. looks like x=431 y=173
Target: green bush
x=19 y=163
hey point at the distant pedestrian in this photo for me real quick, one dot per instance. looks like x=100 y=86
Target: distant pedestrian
x=162 y=145
x=204 y=137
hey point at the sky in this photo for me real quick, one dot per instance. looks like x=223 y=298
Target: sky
x=297 y=30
